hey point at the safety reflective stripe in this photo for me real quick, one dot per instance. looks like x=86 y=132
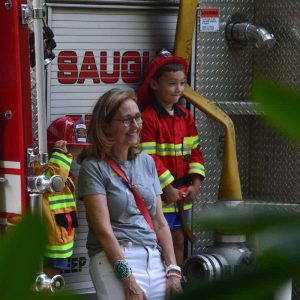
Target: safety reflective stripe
x=71 y=182
x=165 y=179
x=196 y=141
x=162 y=149
x=196 y=168
x=149 y=147
x=59 y=251
x=187 y=206
x=61 y=201
x=190 y=143
x=61 y=159
x=171 y=149
x=167 y=208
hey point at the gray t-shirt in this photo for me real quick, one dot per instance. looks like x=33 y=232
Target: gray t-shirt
x=128 y=223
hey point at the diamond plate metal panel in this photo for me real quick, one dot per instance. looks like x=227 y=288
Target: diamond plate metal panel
x=34 y=110
x=238 y=107
x=223 y=73
x=278 y=176
x=212 y=141
x=282 y=63
x=269 y=165
x=275 y=166
x=211 y=135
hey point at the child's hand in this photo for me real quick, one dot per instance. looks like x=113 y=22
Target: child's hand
x=172 y=194
x=193 y=190
x=61 y=145
x=191 y=193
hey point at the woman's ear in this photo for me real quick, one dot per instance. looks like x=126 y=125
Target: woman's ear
x=153 y=84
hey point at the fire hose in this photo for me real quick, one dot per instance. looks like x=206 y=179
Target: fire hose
x=230 y=186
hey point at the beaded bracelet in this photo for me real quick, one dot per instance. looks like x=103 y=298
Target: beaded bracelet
x=122 y=269
x=171 y=274
x=173 y=268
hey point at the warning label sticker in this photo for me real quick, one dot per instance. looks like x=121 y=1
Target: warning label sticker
x=209 y=19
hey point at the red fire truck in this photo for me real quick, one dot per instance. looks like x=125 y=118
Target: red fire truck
x=104 y=44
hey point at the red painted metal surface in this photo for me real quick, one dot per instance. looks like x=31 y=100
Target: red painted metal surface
x=15 y=94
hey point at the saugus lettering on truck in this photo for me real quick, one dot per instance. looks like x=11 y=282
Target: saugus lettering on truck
x=127 y=66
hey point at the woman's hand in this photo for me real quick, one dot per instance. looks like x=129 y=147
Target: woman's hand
x=173 y=286
x=132 y=290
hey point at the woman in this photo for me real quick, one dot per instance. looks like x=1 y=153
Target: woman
x=127 y=260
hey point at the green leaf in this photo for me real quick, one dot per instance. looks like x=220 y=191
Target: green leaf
x=280 y=107
x=241 y=220
x=21 y=252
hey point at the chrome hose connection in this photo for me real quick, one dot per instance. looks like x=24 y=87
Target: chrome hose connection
x=49 y=284
x=205 y=266
x=221 y=260
x=239 y=33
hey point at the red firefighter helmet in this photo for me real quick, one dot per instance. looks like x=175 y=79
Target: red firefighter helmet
x=144 y=93
x=63 y=128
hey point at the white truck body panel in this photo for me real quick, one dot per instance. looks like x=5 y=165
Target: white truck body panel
x=87 y=32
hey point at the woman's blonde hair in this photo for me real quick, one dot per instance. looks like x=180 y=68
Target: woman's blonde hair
x=103 y=113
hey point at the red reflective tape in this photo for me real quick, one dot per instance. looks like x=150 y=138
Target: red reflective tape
x=10 y=171
x=7 y=214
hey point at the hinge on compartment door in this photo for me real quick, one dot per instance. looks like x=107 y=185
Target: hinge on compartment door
x=31 y=158
x=26 y=13
x=8 y=4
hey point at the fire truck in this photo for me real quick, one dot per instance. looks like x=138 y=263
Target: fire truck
x=105 y=44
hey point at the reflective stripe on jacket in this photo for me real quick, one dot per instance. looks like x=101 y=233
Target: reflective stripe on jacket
x=59 y=209
x=174 y=144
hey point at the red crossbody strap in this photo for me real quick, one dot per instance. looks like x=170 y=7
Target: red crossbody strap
x=139 y=202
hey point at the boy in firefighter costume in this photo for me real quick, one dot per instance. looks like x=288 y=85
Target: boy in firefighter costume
x=169 y=135
x=59 y=209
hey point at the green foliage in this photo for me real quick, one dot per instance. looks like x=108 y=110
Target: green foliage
x=280 y=107
x=21 y=253
x=221 y=220
x=20 y=258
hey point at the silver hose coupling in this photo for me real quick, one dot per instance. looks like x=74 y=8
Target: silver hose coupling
x=49 y=284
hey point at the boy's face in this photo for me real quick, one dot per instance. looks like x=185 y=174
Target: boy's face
x=168 y=88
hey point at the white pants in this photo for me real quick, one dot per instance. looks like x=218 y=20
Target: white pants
x=147 y=268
